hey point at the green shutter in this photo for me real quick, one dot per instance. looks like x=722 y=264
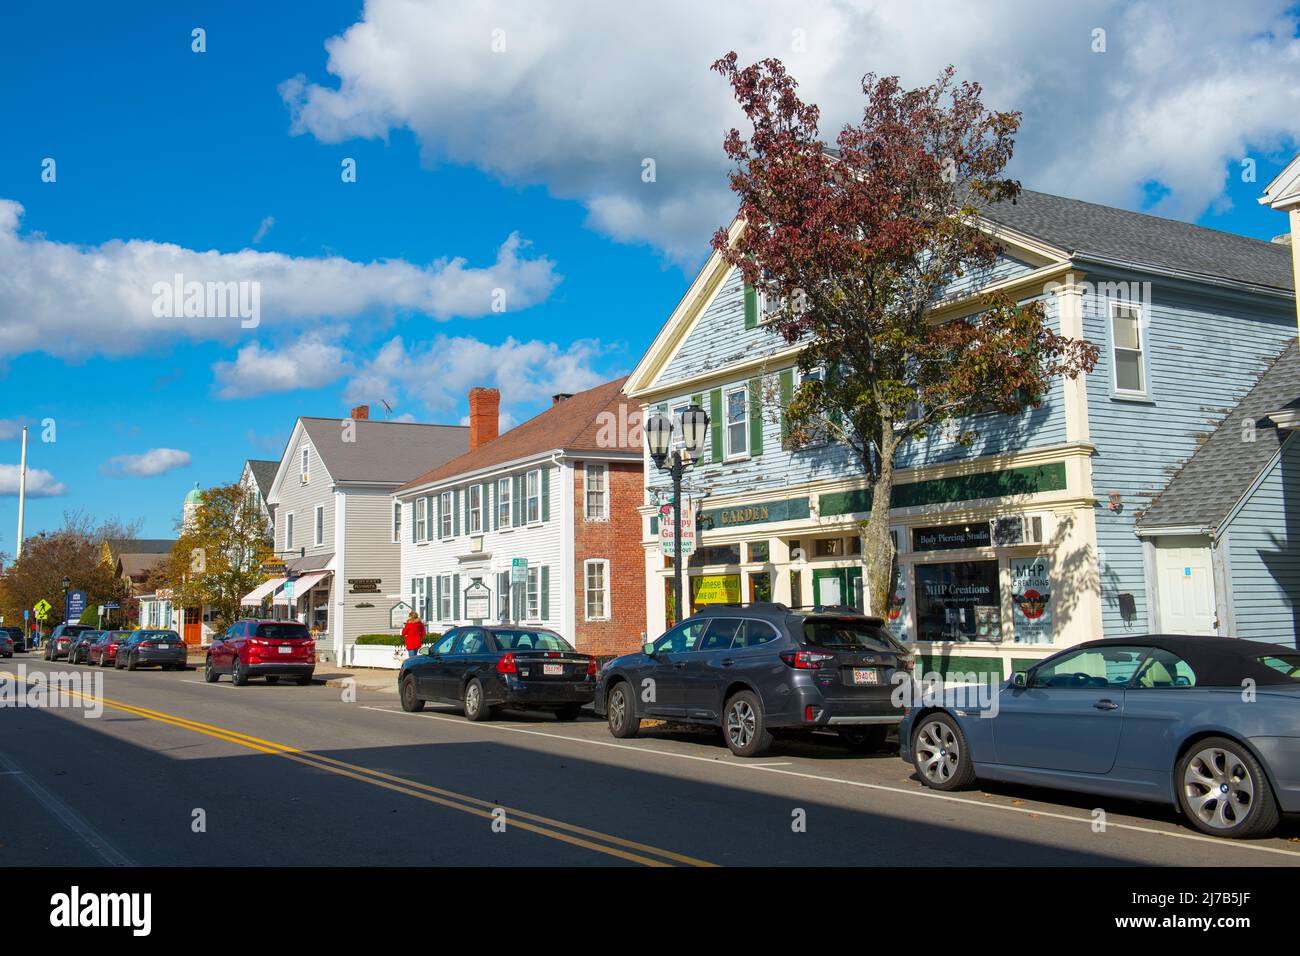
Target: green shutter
x=433 y=536
x=546 y=494
x=496 y=519
x=429 y=533
x=544 y=578
x=428 y=599
x=716 y=424
x=756 y=416
x=485 y=505
x=786 y=379
x=751 y=306
x=455 y=597
x=415 y=505
x=455 y=512
x=437 y=608
x=517 y=499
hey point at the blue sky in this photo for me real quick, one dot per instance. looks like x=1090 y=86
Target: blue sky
x=376 y=289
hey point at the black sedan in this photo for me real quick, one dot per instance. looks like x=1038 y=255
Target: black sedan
x=163 y=649
x=484 y=668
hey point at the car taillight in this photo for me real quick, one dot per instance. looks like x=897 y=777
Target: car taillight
x=146 y=644
x=806 y=660
x=591 y=667
x=507 y=664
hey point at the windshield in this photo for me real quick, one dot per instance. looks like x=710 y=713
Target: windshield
x=849 y=633
x=284 y=632
x=530 y=641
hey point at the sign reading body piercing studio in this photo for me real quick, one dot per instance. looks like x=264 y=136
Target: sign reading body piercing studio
x=1031 y=600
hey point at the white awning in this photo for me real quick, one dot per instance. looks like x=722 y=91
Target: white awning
x=254 y=597
x=301 y=586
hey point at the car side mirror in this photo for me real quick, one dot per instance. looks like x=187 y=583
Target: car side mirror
x=1020 y=679
x=648 y=650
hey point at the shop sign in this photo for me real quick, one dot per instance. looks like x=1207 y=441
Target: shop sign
x=478 y=601
x=364 y=585
x=275 y=569
x=951 y=537
x=1031 y=600
x=789 y=509
x=667 y=530
x=896 y=617
x=715 y=589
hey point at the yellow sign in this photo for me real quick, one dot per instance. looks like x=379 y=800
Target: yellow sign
x=715 y=589
x=42 y=609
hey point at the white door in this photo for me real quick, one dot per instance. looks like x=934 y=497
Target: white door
x=1186 y=585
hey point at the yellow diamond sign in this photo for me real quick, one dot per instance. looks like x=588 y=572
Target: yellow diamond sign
x=42 y=609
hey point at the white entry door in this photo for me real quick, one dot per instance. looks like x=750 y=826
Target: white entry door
x=1186 y=585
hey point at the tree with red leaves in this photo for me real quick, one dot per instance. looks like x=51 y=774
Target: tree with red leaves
x=859 y=244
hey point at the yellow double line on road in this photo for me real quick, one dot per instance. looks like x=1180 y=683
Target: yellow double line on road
x=572 y=834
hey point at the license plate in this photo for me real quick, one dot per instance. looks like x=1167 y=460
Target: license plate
x=164 y=647
x=286 y=649
x=866 y=675
x=554 y=669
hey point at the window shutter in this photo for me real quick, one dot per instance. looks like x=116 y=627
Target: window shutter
x=429 y=533
x=787 y=396
x=751 y=306
x=484 y=507
x=517 y=503
x=503 y=594
x=546 y=494
x=716 y=424
x=428 y=599
x=415 y=595
x=755 y=416
x=414 y=506
x=438 y=534
x=455 y=597
x=544 y=584
x=437 y=609
x=455 y=512
x=496 y=517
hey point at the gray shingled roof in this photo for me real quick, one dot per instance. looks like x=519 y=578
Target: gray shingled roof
x=120 y=546
x=384 y=452
x=263 y=473
x=1213 y=480
x=1087 y=230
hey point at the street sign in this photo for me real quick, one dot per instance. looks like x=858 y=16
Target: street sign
x=43 y=609
x=478 y=601
x=74 y=605
x=111 y=606
x=667 y=531
x=519 y=571
x=289 y=588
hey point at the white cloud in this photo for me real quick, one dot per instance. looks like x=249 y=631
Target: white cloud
x=585 y=90
x=439 y=374
x=10 y=428
x=263 y=228
x=79 y=300
x=310 y=362
x=155 y=461
x=40 y=483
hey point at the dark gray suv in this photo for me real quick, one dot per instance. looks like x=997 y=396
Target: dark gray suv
x=751 y=669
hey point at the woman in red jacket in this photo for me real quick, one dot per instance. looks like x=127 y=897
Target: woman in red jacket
x=413 y=632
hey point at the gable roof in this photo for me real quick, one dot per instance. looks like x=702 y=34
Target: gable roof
x=1091 y=231
x=263 y=473
x=136 y=565
x=572 y=424
x=384 y=452
x=1213 y=480
x=121 y=546
x=1284 y=191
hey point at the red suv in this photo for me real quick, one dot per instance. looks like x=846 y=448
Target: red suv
x=273 y=649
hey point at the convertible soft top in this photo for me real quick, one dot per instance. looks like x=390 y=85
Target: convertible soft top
x=1219 y=661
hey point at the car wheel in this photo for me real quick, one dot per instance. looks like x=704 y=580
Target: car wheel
x=131 y=663
x=864 y=739
x=620 y=710
x=238 y=676
x=742 y=725
x=569 y=712
x=209 y=672
x=940 y=754
x=272 y=679
x=411 y=702
x=1223 y=790
x=475 y=708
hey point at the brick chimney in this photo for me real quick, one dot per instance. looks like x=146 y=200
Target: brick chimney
x=361 y=413
x=484 y=409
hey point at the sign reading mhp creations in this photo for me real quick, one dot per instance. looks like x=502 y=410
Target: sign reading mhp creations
x=1031 y=600
x=667 y=530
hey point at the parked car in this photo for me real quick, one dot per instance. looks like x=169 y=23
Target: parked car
x=1208 y=724
x=273 y=649
x=79 y=649
x=486 y=668
x=16 y=636
x=6 y=644
x=104 y=651
x=61 y=640
x=752 y=669
x=151 y=648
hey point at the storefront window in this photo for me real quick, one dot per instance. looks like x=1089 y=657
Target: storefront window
x=717 y=554
x=958 y=601
x=760 y=586
x=759 y=551
x=796 y=589
x=714 y=589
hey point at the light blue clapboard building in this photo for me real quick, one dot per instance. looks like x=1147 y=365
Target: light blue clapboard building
x=1037 y=536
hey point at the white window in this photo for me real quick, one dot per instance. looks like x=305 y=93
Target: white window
x=596 y=577
x=288 y=531
x=679 y=437
x=475 y=518
x=444 y=598
x=1126 y=337
x=504 y=491
x=768 y=306
x=816 y=432
x=534 y=497
x=597 y=503
x=444 y=507
x=737 y=411
x=419 y=600
x=305 y=455
x=534 y=594
x=320 y=525
x=397 y=521
x=421 y=509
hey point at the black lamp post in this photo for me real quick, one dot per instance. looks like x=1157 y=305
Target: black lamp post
x=693 y=424
x=67 y=583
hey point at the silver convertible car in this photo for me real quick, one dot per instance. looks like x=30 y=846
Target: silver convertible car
x=1209 y=724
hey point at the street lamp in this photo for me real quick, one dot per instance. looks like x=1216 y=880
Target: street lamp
x=67 y=583
x=693 y=425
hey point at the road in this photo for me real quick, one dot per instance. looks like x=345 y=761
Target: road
x=179 y=772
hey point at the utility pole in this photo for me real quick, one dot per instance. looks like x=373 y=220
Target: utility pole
x=22 y=495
